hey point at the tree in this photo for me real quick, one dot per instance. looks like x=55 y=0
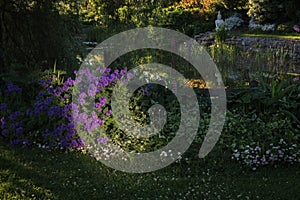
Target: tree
x=35 y=34
x=272 y=11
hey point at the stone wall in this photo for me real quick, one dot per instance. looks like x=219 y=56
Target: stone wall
x=258 y=44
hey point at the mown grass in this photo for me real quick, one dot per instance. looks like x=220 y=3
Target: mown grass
x=40 y=174
x=290 y=36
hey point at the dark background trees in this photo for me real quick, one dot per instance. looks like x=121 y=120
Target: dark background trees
x=35 y=34
x=274 y=11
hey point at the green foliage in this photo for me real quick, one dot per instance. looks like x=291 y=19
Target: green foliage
x=262 y=139
x=267 y=98
x=243 y=129
x=189 y=20
x=221 y=35
x=37 y=34
x=236 y=5
x=276 y=11
x=180 y=19
x=99 y=12
x=139 y=104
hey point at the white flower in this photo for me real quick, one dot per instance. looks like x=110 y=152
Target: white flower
x=264 y=27
x=233 y=21
x=236 y=155
x=163 y=153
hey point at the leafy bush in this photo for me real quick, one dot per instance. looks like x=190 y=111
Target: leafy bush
x=47 y=120
x=179 y=18
x=262 y=126
x=277 y=11
x=264 y=27
x=233 y=22
x=141 y=101
x=278 y=95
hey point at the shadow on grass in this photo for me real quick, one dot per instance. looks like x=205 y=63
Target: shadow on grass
x=41 y=174
x=48 y=174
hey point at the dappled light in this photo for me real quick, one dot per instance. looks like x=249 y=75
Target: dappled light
x=170 y=99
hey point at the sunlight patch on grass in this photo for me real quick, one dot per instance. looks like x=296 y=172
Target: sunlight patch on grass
x=269 y=35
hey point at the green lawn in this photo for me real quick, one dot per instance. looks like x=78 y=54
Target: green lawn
x=291 y=36
x=41 y=174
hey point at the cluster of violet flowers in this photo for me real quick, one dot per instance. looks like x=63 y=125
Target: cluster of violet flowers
x=9 y=118
x=255 y=156
x=49 y=121
x=93 y=88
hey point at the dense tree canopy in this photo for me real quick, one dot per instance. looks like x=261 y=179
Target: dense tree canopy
x=34 y=33
x=274 y=11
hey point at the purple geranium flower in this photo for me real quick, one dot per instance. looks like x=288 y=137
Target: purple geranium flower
x=47 y=101
x=102 y=101
x=3 y=106
x=14 y=115
x=130 y=75
x=57 y=91
x=12 y=88
x=4 y=132
x=107 y=70
x=19 y=131
x=80 y=142
x=103 y=140
x=54 y=111
x=108 y=112
x=81 y=98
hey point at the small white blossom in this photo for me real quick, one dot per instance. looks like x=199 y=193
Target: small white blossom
x=233 y=21
x=264 y=27
x=163 y=153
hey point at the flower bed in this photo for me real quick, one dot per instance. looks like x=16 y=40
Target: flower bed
x=262 y=124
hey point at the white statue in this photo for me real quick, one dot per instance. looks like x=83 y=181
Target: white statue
x=219 y=22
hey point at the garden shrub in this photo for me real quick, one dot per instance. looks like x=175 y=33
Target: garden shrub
x=277 y=11
x=44 y=121
x=181 y=19
x=47 y=120
x=278 y=95
x=141 y=101
x=262 y=124
x=233 y=22
x=256 y=135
